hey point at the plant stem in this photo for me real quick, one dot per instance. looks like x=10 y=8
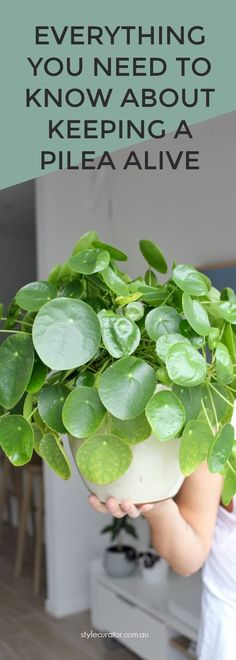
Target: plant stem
x=221 y=395
x=4 y=318
x=167 y=298
x=213 y=405
x=231 y=389
x=32 y=413
x=17 y=332
x=230 y=466
x=209 y=422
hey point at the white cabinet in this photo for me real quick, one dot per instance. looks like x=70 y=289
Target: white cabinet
x=143 y=616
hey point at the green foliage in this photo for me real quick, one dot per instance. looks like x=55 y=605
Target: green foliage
x=87 y=350
x=120 y=335
x=66 y=333
x=190 y=280
x=153 y=255
x=117 y=526
x=126 y=386
x=33 y=296
x=83 y=412
x=166 y=415
x=103 y=458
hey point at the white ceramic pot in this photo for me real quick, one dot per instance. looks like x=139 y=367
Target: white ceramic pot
x=153 y=475
x=156 y=573
x=119 y=563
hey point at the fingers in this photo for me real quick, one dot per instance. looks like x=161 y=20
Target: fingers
x=126 y=507
x=111 y=506
x=130 y=509
x=96 y=504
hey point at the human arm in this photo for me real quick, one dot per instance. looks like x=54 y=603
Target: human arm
x=181 y=529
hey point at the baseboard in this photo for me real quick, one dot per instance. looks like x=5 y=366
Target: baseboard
x=66 y=608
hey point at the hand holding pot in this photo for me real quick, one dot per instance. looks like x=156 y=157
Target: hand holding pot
x=126 y=507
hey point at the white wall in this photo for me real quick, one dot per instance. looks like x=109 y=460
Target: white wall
x=191 y=215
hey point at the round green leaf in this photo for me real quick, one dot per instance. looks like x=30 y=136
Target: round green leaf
x=229 y=489
x=126 y=387
x=213 y=402
x=151 y=278
x=32 y=296
x=28 y=405
x=224 y=365
x=195 y=443
x=53 y=454
x=120 y=335
x=54 y=275
x=40 y=423
x=213 y=338
x=162 y=376
x=153 y=256
x=114 y=252
x=85 y=378
x=16 y=364
x=228 y=294
x=85 y=242
x=165 y=414
x=197 y=341
x=161 y=321
x=103 y=458
x=132 y=430
x=229 y=340
x=196 y=315
x=89 y=261
x=50 y=405
x=186 y=330
x=37 y=437
x=228 y=311
x=83 y=412
x=16 y=439
x=134 y=311
x=190 y=280
x=165 y=341
x=114 y=282
x=185 y=365
x=190 y=397
x=66 y=333
x=72 y=289
x=220 y=448
x=38 y=376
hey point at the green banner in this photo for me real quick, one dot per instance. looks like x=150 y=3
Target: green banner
x=81 y=79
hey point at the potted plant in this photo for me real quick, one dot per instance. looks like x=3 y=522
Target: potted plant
x=152 y=567
x=139 y=374
x=120 y=558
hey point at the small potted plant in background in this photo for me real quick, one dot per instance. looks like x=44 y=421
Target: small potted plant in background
x=140 y=375
x=119 y=558
x=152 y=567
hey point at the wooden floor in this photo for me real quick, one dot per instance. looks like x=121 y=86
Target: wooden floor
x=27 y=632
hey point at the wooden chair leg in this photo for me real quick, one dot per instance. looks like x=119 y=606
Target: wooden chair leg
x=23 y=523
x=4 y=488
x=38 y=538
x=17 y=482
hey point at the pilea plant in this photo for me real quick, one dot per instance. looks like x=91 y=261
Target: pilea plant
x=117 y=527
x=87 y=348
